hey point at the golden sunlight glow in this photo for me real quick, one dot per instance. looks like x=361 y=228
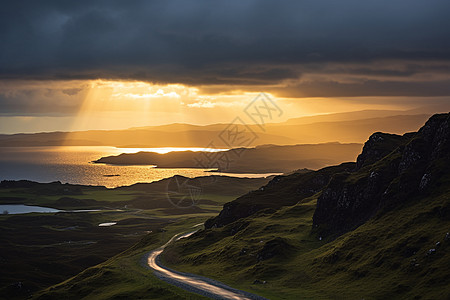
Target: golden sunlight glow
x=112 y=104
x=109 y=104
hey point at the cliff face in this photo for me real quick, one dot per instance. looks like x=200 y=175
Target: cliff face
x=378 y=146
x=390 y=171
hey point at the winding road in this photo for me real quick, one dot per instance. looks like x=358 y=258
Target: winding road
x=194 y=283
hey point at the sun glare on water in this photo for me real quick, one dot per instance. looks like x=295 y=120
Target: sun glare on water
x=165 y=150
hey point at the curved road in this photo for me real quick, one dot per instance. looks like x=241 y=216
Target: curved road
x=194 y=283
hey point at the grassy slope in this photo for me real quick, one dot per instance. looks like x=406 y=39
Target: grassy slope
x=281 y=191
x=383 y=259
x=123 y=276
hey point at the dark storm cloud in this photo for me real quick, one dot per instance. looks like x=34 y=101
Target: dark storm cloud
x=365 y=88
x=220 y=42
x=28 y=98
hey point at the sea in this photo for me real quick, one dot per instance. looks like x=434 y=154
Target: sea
x=73 y=164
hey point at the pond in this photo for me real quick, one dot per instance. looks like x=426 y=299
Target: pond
x=107 y=224
x=14 y=209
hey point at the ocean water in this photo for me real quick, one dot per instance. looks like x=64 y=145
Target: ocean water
x=72 y=164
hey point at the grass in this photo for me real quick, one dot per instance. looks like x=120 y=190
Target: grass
x=386 y=258
x=123 y=277
x=38 y=251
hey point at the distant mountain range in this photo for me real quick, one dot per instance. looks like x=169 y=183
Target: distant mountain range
x=351 y=127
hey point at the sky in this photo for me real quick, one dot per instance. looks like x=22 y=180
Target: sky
x=72 y=65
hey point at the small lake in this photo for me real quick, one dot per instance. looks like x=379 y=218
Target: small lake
x=14 y=209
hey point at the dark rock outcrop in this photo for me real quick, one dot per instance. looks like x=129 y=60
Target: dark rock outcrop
x=390 y=171
x=378 y=146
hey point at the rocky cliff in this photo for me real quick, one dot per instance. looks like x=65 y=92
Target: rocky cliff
x=390 y=171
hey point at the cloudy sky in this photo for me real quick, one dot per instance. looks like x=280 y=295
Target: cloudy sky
x=115 y=64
